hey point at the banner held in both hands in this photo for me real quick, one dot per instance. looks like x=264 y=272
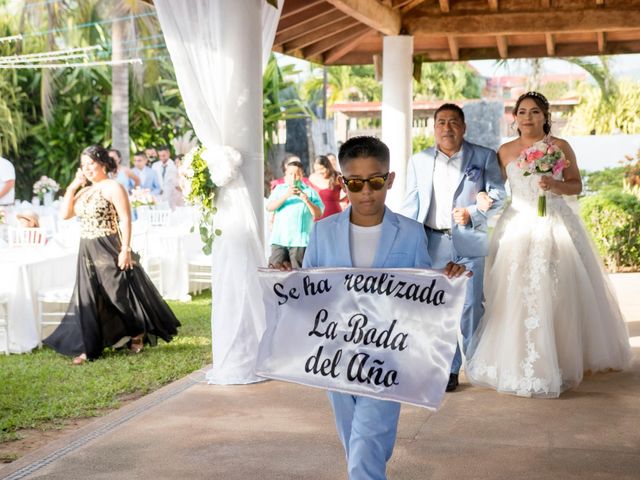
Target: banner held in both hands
x=385 y=333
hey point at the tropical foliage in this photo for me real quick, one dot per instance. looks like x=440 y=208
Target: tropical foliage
x=447 y=81
x=613 y=218
x=280 y=100
x=612 y=214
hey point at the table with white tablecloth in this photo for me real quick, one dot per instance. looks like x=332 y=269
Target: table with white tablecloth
x=174 y=246
x=24 y=271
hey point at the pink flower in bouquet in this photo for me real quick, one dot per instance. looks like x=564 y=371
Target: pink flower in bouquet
x=534 y=155
x=559 y=166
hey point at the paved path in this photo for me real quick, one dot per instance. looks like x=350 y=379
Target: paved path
x=275 y=430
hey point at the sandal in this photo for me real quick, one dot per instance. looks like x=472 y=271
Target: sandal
x=137 y=344
x=80 y=359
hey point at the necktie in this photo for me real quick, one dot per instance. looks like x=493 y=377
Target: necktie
x=164 y=171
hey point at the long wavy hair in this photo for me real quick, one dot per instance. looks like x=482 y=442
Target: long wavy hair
x=542 y=103
x=326 y=163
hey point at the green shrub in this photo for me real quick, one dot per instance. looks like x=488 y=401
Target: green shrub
x=607 y=179
x=422 y=142
x=613 y=219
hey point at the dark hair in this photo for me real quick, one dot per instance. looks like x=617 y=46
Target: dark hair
x=140 y=153
x=542 y=103
x=100 y=155
x=295 y=164
x=326 y=163
x=150 y=147
x=364 y=146
x=286 y=159
x=117 y=152
x=164 y=148
x=451 y=107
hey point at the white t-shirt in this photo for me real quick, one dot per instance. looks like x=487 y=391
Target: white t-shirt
x=363 y=242
x=7 y=172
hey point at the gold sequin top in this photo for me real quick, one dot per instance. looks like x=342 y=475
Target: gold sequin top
x=98 y=217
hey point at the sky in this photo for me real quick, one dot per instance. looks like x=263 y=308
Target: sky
x=623 y=65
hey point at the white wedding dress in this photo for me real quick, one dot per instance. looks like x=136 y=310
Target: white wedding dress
x=550 y=312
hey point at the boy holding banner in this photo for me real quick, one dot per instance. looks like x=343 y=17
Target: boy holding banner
x=367 y=235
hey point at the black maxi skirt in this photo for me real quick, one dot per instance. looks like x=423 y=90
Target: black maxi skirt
x=110 y=304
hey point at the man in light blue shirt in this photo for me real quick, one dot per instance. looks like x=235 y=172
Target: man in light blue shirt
x=148 y=178
x=296 y=206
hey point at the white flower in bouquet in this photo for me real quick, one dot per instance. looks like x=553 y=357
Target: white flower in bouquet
x=44 y=185
x=187 y=172
x=141 y=197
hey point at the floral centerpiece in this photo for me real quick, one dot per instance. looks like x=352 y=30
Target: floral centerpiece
x=45 y=185
x=141 y=197
x=202 y=172
x=542 y=158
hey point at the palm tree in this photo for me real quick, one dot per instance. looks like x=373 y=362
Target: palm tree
x=124 y=32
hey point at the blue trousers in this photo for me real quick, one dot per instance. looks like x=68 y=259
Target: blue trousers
x=441 y=252
x=367 y=428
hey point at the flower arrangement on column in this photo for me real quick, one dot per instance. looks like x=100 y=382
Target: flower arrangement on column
x=202 y=173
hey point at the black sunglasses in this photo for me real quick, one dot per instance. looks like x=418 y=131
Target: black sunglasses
x=356 y=185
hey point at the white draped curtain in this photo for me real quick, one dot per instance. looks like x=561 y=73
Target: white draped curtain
x=218 y=49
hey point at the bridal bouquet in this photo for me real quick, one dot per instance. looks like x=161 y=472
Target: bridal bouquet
x=543 y=158
x=141 y=197
x=45 y=185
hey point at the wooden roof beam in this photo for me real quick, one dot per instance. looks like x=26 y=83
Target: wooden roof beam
x=602 y=42
x=317 y=35
x=545 y=3
x=340 y=51
x=314 y=23
x=410 y=5
x=493 y=5
x=444 y=6
x=550 y=40
x=372 y=13
x=503 y=46
x=292 y=7
x=333 y=41
x=514 y=23
x=454 y=48
x=293 y=20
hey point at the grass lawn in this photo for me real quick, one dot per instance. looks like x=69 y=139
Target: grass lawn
x=42 y=388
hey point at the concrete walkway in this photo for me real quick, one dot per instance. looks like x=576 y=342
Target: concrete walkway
x=275 y=430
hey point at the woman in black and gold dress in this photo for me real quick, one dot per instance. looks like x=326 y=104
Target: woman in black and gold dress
x=114 y=300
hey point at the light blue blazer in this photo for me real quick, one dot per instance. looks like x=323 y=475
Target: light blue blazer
x=403 y=243
x=480 y=171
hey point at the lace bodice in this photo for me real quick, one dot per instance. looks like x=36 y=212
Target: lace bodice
x=98 y=217
x=525 y=191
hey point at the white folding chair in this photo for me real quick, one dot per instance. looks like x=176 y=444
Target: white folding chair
x=52 y=306
x=23 y=237
x=158 y=218
x=199 y=273
x=4 y=321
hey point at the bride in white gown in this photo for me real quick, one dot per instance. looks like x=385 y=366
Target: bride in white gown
x=550 y=313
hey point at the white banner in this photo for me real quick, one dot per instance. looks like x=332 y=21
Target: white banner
x=384 y=333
